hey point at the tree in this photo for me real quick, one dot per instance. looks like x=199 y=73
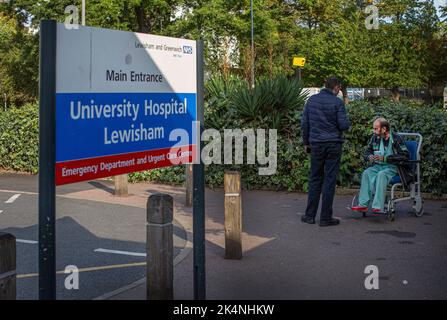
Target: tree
x=408 y=29
x=408 y=49
x=224 y=25
x=19 y=23
x=18 y=62
x=335 y=42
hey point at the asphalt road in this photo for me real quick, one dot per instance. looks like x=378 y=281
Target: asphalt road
x=106 y=242
x=284 y=258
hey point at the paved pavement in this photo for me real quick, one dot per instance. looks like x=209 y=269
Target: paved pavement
x=106 y=241
x=283 y=258
x=286 y=259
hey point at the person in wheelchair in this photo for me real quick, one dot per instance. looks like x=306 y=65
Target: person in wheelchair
x=385 y=153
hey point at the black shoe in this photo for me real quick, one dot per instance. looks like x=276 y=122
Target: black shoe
x=307 y=219
x=328 y=223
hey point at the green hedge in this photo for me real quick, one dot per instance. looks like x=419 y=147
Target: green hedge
x=19 y=139
x=19 y=147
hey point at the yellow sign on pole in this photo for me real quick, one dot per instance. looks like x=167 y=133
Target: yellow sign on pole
x=299 y=61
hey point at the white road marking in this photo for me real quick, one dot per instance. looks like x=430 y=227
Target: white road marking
x=27 y=241
x=1 y=211
x=13 y=198
x=15 y=191
x=127 y=253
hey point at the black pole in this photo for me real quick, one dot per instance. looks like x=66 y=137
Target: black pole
x=47 y=150
x=199 y=192
x=298 y=73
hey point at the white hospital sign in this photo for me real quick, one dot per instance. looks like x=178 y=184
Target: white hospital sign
x=119 y=95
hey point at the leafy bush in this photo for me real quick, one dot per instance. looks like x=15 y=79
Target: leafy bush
x=19 y=139
x=168 y=175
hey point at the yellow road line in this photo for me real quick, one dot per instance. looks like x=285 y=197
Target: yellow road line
x=113 y=266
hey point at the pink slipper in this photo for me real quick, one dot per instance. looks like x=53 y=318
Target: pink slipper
x=360 y=208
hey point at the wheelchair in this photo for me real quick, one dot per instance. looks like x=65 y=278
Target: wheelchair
x=414 y=188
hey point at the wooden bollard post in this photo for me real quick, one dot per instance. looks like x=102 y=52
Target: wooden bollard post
x=121 y=184
x=233 y=215
x=160 y=248
x=188 y=183
x=7 y=266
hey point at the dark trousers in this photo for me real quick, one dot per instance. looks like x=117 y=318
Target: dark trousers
x=324 y=167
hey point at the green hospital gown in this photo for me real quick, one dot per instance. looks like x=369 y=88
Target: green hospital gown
x=376 y=178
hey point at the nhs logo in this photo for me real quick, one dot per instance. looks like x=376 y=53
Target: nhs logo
x=187 y=49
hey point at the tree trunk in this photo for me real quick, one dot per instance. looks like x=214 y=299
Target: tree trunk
x=395 y=94
x=143 y=25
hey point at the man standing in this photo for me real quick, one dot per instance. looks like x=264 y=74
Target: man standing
x=322 y=124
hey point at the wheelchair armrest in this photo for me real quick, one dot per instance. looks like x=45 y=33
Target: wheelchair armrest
x=404 y=162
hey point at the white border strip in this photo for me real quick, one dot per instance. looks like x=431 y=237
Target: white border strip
x=126 y=253
x=27 y=241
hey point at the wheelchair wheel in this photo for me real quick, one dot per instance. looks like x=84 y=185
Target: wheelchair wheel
x=418 y=207
x=391 y=216
x=390 y=211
